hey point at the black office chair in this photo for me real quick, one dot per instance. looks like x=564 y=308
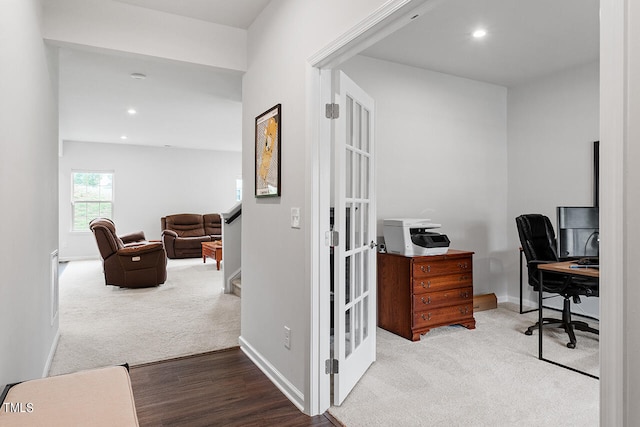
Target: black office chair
x=539 y=244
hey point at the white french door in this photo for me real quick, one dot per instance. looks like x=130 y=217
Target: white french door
x=354 y=341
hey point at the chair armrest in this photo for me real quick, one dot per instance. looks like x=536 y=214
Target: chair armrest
x=570 y=258
x=537 y=262
x=133 y=237
x=168 y=240
x=140 y=249
x=170 y=233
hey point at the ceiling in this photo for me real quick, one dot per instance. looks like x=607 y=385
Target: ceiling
x=178 y=104
x=233 y=13
x=526 y=39
x=189 y=106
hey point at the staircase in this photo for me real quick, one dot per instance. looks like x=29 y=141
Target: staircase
x=237 y=285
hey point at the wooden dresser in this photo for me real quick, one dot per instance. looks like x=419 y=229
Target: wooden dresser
x=418 y=293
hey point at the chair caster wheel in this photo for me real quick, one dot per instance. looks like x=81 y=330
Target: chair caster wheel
x=571 y=345
x=528 y=332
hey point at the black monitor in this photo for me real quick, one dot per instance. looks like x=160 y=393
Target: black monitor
x=578 y=231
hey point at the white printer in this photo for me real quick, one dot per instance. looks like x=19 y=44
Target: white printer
x=412 y=236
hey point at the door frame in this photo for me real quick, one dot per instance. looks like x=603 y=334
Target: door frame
x=391 y=16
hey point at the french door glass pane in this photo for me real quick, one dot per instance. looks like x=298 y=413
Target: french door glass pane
x=365 y=317
x=357 y=279
x=357 y=127
x=347 y=335
x=357 y=224
x=348 y=289
x=365 y=130
x=357 y=330
x=348 y=173
x=350 y=124
x=349 y=226
x=357 y=175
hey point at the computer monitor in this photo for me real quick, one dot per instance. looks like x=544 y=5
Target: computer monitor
x=578 y=231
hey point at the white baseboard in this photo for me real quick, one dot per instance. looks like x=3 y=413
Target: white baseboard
x=52 y=352
x=288 y=389
x=77 y=258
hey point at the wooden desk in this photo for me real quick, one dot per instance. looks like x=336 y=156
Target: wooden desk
x=212 y=250
x=566 y=269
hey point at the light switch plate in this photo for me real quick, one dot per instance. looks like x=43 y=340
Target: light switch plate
x=287 y=337
x=295 y=217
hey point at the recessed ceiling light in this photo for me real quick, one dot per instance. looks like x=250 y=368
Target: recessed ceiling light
x=131 y=111
x=123 y=137
x=138 y=76
x=479 y=33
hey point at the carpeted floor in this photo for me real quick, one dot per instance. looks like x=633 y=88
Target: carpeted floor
x=489 y=376
x=106 y=325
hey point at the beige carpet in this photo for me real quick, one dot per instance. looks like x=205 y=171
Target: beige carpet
x=106 y=325
x=489 y=376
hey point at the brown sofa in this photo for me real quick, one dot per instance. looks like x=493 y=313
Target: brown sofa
x=129 y=261
x=183 y=234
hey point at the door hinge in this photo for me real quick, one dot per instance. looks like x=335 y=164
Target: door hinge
x=331 y=238
x=331 y=366
x=332 y=111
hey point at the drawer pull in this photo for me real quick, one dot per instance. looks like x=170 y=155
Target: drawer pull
x=426 y=269
x=427 y=317
x=463 y=265
x=427 y=300
x=427 y=286
x=463 y=278
x=463 y=310
x=464 y=294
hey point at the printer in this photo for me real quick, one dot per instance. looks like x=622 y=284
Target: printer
x=412 y=236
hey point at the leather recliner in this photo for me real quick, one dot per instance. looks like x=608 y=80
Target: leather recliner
x=129 y=261
x=183 y=234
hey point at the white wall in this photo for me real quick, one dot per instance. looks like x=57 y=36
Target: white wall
x=276 y=278
x=552 y=124
x=123 y=27
x=441 y=153
x=29 y=191
x=149 y=183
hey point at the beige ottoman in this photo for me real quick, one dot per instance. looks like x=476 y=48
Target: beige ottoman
x=97 y=397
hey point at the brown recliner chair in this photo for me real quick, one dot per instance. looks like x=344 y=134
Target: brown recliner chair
x=129 y=261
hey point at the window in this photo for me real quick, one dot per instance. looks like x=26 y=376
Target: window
x=91 y=197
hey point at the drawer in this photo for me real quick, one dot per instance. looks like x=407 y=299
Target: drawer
x=427 y=301
x=436 y=267
x=442 y=316
x=441 y=283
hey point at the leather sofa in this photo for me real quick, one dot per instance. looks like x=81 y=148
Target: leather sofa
x=129 y=261
x=183 y=234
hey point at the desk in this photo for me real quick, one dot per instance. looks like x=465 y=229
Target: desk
x=566 y=269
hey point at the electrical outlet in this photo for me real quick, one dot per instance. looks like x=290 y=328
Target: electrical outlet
x=287 y=337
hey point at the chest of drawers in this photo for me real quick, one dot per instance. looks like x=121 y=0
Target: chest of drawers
x=418 y=293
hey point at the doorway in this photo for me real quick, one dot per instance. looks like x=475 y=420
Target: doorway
x=477 y=231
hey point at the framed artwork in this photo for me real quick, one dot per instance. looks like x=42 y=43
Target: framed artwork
x=268 y=130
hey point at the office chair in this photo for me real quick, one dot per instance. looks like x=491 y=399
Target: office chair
x=539 y=245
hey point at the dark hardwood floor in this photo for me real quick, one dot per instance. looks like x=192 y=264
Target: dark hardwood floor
x=222 y=388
